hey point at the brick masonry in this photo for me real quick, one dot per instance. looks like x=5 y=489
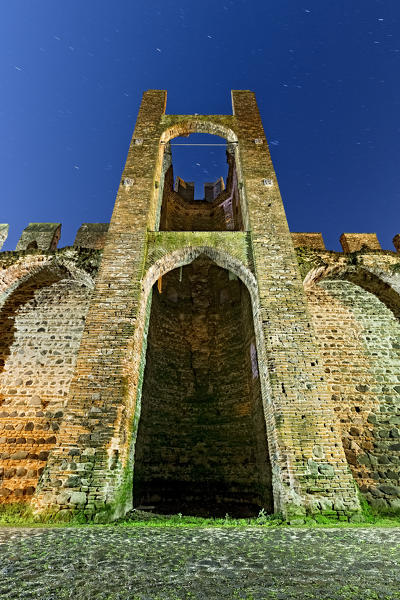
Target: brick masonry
x=207 y=364
x=352 y=242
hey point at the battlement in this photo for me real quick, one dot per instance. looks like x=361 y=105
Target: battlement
x=91 y=235
x=45 y=236
x=350 y=242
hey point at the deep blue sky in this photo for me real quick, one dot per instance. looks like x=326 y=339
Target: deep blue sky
x=325 y=72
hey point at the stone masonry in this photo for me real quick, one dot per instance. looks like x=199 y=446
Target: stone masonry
x=194 y=356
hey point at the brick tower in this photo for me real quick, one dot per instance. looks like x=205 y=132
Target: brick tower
x=199 y=385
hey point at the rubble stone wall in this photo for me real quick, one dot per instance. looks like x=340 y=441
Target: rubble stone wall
x=42 y=313
x=356 y=318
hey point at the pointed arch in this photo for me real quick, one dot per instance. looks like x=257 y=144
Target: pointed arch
x=201 y=371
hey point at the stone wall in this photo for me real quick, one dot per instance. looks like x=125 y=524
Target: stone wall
x=356 y=318
x=201 y=446
x=42 y=312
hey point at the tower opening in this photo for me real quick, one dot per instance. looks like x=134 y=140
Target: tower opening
x=200 y=191
x=201 y=447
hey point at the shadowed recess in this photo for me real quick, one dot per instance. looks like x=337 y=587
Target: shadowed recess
x=201 y=447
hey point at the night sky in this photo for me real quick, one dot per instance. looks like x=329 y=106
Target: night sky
x=325 y=73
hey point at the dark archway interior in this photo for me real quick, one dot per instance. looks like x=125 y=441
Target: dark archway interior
x=201 y=447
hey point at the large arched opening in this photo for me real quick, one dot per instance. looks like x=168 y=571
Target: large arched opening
x=201 y=446
x=182 y=205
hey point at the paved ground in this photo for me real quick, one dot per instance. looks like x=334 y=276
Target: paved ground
x=120 y=563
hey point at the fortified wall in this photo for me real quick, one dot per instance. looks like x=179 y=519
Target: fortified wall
x=195 y=356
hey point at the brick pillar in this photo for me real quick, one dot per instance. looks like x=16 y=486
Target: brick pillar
x=309 y=466
x=91 y=466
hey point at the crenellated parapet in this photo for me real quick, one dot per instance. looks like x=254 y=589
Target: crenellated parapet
x=44 y=237
x=350 y=242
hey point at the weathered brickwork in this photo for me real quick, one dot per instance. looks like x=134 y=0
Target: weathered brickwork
x=308 y=240
x=42 y=236
x=214 y=362
x=91 y=235
x=352 y=242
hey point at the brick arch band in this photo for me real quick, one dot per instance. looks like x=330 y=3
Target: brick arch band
x=382 y=285
x=210 y=125
x=41 y=272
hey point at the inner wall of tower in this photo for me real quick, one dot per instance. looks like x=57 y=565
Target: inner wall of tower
x=201 y=447
x=220 y=209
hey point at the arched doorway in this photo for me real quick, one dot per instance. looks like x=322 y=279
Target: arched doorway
x=201 y=446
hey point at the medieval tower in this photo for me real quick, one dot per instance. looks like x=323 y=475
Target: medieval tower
x=196 y=356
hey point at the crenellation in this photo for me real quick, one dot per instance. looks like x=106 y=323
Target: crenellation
x=91 y=235
x=308 y=240
x=40 y=236
x=353 y=242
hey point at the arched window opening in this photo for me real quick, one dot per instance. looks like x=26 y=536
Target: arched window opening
x=200 y=191
x=201 y=447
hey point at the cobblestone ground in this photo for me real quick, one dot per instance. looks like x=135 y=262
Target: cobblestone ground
x=121 y=563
